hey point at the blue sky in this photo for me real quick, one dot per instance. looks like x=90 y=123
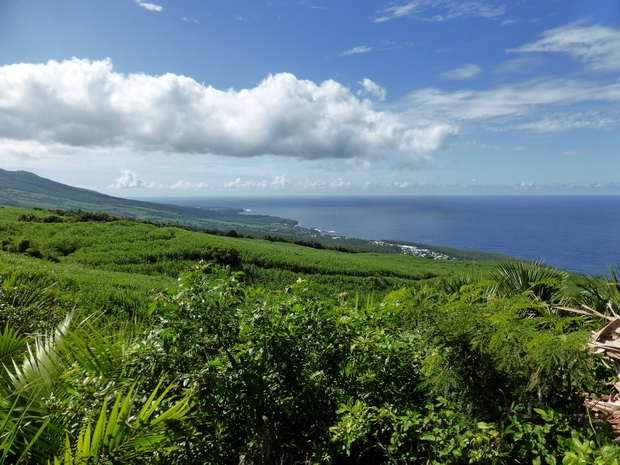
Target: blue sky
x=319 y=97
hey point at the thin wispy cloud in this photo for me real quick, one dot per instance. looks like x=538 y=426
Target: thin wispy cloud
x=356 y=50
x=441 y=10
x=383 y=46
x=563 y=121
x=149 y=6
x=465 y=72
x=314 y=7
x=597 y=46
x=511 y=103
x=474 y=144
x=543 y=104
x=521 y=65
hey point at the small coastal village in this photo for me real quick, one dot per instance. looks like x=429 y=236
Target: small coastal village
x=416 y=251
x=404 y=249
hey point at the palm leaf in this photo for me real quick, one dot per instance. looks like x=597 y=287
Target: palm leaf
x=19 y=432
x=94 y=352
x=125 y=435
x=513 y=278
x=12 y=347
x=40 y=366
x=11 y=343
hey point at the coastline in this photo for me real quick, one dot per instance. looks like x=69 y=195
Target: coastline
x=575 y=233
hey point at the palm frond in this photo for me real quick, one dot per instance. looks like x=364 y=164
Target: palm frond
x=125 y=434
x=12 y=345
x=513 y=278
x=40 y=366
x=92 y=351
x=21 y=429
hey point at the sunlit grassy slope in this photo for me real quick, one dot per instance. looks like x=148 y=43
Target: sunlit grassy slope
x=122 y=256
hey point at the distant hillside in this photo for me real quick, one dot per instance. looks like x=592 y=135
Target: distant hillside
x=27 y=190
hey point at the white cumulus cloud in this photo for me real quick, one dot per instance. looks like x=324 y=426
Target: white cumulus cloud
x=423 y=142
x=86 y=104
x=372 y=89
x=129 y=180
x=339 y=184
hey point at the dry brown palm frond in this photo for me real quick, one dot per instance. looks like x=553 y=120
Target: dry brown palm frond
x=585 y=310
x=606 y=341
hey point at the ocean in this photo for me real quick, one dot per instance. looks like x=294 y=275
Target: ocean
x=575 y=233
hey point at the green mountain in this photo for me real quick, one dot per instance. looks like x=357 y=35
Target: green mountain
x=27 y=190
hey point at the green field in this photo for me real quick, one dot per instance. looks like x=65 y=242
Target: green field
x=156 y=252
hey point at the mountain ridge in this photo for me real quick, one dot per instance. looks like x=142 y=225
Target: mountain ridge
x=23 y=189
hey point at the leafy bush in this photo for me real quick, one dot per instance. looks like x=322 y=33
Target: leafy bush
x=425 y=376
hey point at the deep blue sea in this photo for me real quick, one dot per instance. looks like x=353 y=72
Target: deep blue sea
x=576 y=233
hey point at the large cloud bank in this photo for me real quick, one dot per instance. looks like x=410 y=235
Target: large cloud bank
x=84 y=103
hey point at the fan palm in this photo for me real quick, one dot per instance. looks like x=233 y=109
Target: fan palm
x=601 y=295
x=514 y=278
x=55 y=386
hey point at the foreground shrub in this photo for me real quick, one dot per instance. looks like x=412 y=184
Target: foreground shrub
x=475 y=376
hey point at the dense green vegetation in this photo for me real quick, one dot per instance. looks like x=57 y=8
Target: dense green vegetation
x=155 y=251
x=270 y=352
